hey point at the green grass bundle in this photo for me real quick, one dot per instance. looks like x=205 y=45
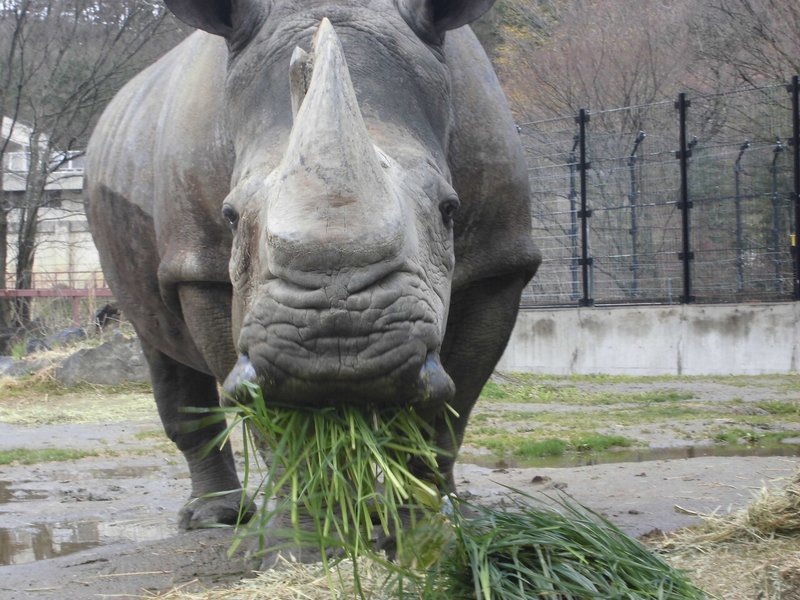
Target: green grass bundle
x=528 y=552
x=341 y=475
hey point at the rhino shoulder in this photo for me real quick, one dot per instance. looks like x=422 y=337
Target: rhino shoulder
x=493 y=228
x=126 y=149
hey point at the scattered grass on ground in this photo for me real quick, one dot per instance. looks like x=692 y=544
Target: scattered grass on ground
x=782 y=381
x=753 y=437
x=599 y=442
x=27 y=456
x=151 y=434
x=780 y=407
x=44 y=383
x=537 y=409
x=742 y=570
x=538 y=448
x=99 y=406
x=544 y=393
x=531 y=446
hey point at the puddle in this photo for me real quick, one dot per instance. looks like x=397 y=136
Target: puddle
x=40 y=541
x=43 y=540
x=583 y=459
x=17 y=494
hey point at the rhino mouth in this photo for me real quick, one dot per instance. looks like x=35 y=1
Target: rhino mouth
x=311 y=348
x=426 y=387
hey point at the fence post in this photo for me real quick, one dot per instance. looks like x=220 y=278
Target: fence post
x=775 y=232
x=737 y=191
x=572 y=161
x=584 y=213
x=794 y=89
x=686 y=255
x=633 y=196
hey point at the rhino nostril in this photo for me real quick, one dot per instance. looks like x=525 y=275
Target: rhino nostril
x=242 y=372
x=231 y=215
x=448 y=208
x=435 y=387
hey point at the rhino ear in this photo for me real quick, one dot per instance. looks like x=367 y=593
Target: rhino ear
x=213 y=16
x=431 y=18
x=452 y=14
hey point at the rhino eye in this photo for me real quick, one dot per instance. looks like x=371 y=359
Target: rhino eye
x=448 y=208
x=230 y=215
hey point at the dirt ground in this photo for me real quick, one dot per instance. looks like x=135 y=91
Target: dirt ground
x=105 y=526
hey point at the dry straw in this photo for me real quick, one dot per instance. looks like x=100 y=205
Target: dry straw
x=748 y=553
x=774 y=511
x=294 y=581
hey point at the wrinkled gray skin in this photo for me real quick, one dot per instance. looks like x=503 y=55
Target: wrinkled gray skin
x=286 y=216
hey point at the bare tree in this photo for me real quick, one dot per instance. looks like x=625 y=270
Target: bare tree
x=60 y=62
x=603 y=55
x=753 y=41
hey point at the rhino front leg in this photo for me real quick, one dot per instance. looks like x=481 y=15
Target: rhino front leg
x=478 y=328
x=216 y=491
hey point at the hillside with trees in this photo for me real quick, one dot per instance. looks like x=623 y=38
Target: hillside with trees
x=556 y=56
x=626 y=61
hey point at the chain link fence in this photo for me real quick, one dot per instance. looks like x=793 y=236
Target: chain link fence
x=693 y=200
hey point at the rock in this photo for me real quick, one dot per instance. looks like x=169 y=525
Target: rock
x=19 y=368
x=8 y=336
x=6 y=363
x=35 y=345
x=117 y=361
x=67 y=336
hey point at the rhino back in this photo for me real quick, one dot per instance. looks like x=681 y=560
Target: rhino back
x=141 y=154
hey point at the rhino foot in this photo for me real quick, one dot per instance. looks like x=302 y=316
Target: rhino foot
x=281 y=550
x=214 y=510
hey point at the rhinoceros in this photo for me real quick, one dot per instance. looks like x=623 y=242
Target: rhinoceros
x=326 y=198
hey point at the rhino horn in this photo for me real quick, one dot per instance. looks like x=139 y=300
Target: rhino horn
x=337 y=204
x=300 y=69
x=327 y=104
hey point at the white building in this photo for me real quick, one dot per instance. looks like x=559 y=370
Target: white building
x=65 y=255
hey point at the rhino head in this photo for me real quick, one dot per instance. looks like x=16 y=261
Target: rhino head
x=341 y=205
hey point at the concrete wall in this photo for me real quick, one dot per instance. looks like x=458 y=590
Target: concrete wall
x=657 y=340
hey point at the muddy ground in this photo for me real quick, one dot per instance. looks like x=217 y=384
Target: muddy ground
x=105 y=526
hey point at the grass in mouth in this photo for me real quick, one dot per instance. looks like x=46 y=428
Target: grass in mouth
x=349 y=473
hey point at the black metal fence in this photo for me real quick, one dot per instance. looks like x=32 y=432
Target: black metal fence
x=692 y=200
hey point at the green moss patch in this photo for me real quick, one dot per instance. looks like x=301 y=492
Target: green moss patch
x=27 y=456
